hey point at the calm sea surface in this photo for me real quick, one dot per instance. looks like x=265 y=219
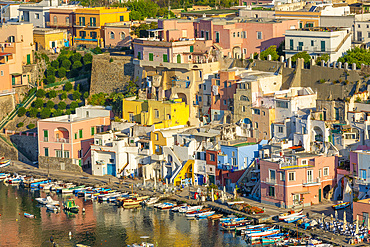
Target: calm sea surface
x=102 y=225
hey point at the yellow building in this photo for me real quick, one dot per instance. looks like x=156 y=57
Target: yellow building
x=47 y=39
x=162 y=114
x=89 y=22
x=306 y=19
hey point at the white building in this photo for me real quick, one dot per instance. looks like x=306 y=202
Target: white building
x=317 y=41
x=9 y=11
x=37 y=14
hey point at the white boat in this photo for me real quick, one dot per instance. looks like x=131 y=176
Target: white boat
x=190 y=209
x=47 y=201
x=54 y=208
x=256 y=235
x=288 y=215
x=4 y=175
x=4 y=162
x=151 y=201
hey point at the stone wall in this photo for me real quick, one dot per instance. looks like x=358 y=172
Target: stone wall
x=7 y=151
x=111 y=73
x=6 y=105
x=54 y=163
x=27 y=145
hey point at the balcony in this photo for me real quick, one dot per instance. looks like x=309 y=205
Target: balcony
x=143 y=151
x=270 y=181
x=312 y=182
x=157 y=157
x=360 y=181
x=58 y=25
x=61 y=140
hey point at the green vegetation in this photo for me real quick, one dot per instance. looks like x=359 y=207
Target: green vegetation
x=303 y=55
x=50 y=104
x=62 y=105
x=63 y=96
x=21 y=111
x=141 y=30
x=32 y=112
x=52 y=94
x=45 y=113
x=31 y=126
x=20 y=125
x=323 y=57
x=38 y=103
x=76 y=95
x=68 y=86
x=270 y=51
x=357 y=55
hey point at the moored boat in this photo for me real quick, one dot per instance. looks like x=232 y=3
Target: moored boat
x=27 y=215
x=215 y=216
x=70 y=205
x=205 y=214
x=47 y=200
x=290 y=214
x=341 y=205
x=4 y=163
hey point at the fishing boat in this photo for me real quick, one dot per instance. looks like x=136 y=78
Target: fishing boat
x=195 y=213
x=271 y=240
x=167 y=205
x=341 y=205
x=4 y=176
x=190 y=209
x=215 y=216
x=53 y=208
x=177 y=208
x=70 y=205
x=261 y=234
x=237 y=225
x=27 y=215
x=47 y=200
x=205 y=214
x=72 y=189
x=129 y=202
x=151 y=201
x=294 y=218
x=4 y=162
x=290 y=214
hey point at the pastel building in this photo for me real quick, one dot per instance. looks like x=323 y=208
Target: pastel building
x=63 y=17
x=359 y=167
x=16 y=50
x=49 y=39
x=64 y=142
x=117 y=34
x=297 y=180
x=37 y=13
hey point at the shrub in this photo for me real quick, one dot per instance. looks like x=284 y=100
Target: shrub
x=62 y=72
x=50 y=104
x=111 y=60
x=57 y=113
x=52 y=94
x=63 y=96
x=74 y=73
x=97 y=50
x=55 y=64
x=20 y=125
x=68 y=112
x=77 y=65
x=45 y=113
x=38 y=103
x=86 y=95
x=50 y=79
x=73 y=105
x=68 y=86
x=66 y=64
x=31 y=126
x=87 y=58
x=76 y=95
x=322 y=80
x=62 y=105
x=40 y=93
x=32 y=112
x=75 y=57
x=50 y=71
x=21 y=111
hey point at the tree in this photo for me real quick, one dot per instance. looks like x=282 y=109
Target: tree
x=55 y=64
x=303 y=55
x=73 y=105
x=21 y=111
x=32 y=112
x=20 y=125
x=86 y=95
x=280 y=49
x=62 y=105
x=323 y=57
x=269 y=51
x=62 y=72
x=97 y=99
x=50 y=71
x=74 y=73
x=131 y=88
x=97 y=50
x=357 y=55
x=68 y=86
x=68 y=112
x=45 y=113
x=52 y=94
x=141 y=30
x=63 y=96
x=76 y=95
x=57 y=113
x=75 y=57
x=77 y=65
x=62 y=58
x=141 y=9
x=66 y=64
x=87 y=58
x=38 y=103
x=31 y=126
x=50 y=79
x=50 y=104
x=40 y=93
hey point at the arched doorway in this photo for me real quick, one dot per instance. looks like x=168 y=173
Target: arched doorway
x=237 y=52
x=228 y=119
x=318 y=134
x=183 y=97
x=326 y=191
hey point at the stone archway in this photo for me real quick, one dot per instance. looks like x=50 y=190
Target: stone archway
x=318 y=134
x=237 y=52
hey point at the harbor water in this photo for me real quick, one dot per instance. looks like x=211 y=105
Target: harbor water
x=102 y=224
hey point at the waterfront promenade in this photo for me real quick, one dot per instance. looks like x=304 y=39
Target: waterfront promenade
x=131 y=185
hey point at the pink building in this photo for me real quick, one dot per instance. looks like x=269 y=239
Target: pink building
x=175 y=29
x=63 y=17
x=297 y=180
x=117 y=34
x=64 y=142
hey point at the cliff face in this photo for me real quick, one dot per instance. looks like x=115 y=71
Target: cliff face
x=111 y=73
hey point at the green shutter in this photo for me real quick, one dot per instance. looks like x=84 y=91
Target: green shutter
x=75 y=136
x=80 y=133
x=46 y=133
x=13 y=80
x=92 y=131
x=28 y=58
x=151 y=57
x=178 y=58
x=46 y=152
x=191 y=48
x=165 y=58
x=139 y=55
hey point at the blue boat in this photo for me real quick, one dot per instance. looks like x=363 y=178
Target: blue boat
x=341 y=205
x=294 y=219
x=27 y=215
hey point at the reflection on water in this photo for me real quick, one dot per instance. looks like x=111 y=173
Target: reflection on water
x=102 y=224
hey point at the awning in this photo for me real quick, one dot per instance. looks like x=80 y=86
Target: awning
x=16 y=74
x=301 y=193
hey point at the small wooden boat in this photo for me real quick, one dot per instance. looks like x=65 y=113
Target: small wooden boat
x=205 y=214
x=151 y=201
x=27 y=215
x=4 y=162
x=47 y=200
x=294 y=218
x=194 y=213
x=190 y=209
x=4 y=175
x=53 y=208
x=71 y=206
x=290 y=214
x=257 y=235
x=215 y=216
x=341 y=205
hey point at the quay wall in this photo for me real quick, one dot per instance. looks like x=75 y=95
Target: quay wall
x=54 y=163
x=27 y=145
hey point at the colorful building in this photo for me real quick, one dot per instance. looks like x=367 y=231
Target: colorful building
x=64 y=142
x=297 y=180
x=50 y=39
x=162 y=114
x=117 y=34
x=63 y=17
x=89 y=23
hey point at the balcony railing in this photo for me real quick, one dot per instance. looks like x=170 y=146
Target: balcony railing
x=53 y=24
x=270 y=181
x=362 y=181
x=311 y=182
x=61 y=140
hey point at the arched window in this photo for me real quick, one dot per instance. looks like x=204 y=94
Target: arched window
x=55 y=19
x=244 y=98
x=123 y=35
x=112 y=35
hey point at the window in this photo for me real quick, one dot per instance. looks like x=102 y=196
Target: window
x=368 y=34
x=280 y=129
x=80 y=153
x=151 y=57
x=263 y=113
x=138 y=55
x=191 y=48
x=225 y=84
x=157 y=149
x=93 y=35
x=212 y=157
x=244 y=108
x=367 y=26
x=229 y=84
x=46 y=136
x=233 y=162
x=92 y=22
x=55 y=20
x=244 y=34
x=272 y=191
x=82 y=34
x=319 y=173
x=312 y=43
x=238 y=34
x=80 y=133
x=244 y=98
x=2 y=73
x=300 y=46
x=257 y=111
x=121 y=18
x=202 y=34
x=111 y=35
x=291 y=45
x=234 y=34
x=156 y=136
x=304 y=162
x=156 y=113
x=282 y=104
x=58 y=153
x=309 y=176
x=358 y=25
x=82 y=21
x=326 y=171
x=37 y=16
x=272 y=175
x=46 y=152
x=204 y=87
x=291 y=176
x=256 y=125
x=296 y=199
x=217 y=37
x=165 y=58
x=224 y=101
x=363 y=174
x=218 y=82
x=232 y=153
x=259 y=35
x=66 y=154
x=75 y=136
x=67 y=21
x=92 y=131
x=207 y=35
x=200 y=98
x=322 y=45
x=282 y=176
x=123 y=35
